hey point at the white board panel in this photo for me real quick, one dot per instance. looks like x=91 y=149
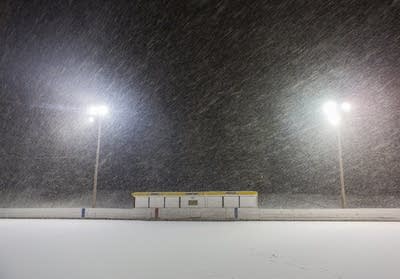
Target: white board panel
x=171 y=202
x=156 y=201
x=141 y=202
x=213 y=202
x=231 y=201
x=246 y=201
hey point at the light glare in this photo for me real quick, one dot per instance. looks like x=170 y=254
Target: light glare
x=330 y=107
x=346 y=107
x=97 y=110
x=331 y=112
x=334 y=119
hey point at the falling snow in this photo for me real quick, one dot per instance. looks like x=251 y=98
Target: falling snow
x=203 y=95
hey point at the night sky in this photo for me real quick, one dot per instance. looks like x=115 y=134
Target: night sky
x=203 y=95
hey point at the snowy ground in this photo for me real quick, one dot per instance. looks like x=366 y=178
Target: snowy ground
x=138 y=249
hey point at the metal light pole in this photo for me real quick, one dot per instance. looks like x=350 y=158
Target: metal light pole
x=96 y=113
x=333 y=114
x=342 y=187
x=96 y=166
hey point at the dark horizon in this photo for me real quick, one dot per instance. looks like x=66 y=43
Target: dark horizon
x=203 y=95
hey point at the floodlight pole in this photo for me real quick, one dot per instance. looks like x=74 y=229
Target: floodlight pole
x=342 y=186
x=96 y=167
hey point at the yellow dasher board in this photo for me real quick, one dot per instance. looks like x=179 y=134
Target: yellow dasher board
x=210 y=199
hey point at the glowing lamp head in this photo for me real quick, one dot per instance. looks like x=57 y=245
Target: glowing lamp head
x=330 y=107
x=100 y=110
x=331 y=111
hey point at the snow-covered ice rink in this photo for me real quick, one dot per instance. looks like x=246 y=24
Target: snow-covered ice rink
x=48 y=249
